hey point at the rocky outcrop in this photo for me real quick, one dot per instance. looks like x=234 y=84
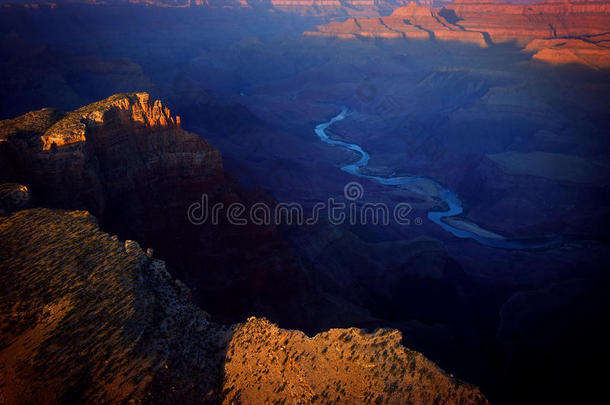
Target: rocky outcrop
x=125 y=147
x=341 y=366
x=86 y=318
x=589 y=51
x=134 y=108
x=127 y=160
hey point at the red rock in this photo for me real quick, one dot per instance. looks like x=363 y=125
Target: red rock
x=523 y=23
x=566 y=51
x=583 y=23
x=412 y=21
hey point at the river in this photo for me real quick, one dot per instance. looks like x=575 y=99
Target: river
x=445 y=219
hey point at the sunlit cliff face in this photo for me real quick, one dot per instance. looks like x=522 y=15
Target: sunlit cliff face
x=136 y=108
x=555 y=32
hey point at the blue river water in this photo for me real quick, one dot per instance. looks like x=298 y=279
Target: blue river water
x=446 y=195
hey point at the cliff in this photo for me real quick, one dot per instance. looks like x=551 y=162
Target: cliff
x=589 y=51
x=87 y=318
x=523 y=23
x=412 y=22
x=127 y=160
x=581 y=25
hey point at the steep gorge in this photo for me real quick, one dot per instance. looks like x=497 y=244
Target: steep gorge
x=85 y=317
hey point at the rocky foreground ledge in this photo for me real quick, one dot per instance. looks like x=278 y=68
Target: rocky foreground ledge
x=87 y=318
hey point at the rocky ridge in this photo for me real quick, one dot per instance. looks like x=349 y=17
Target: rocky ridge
x=87 y=318
x=341 y=366
x=127 y=160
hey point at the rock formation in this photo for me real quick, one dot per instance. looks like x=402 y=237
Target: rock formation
x=341 y=366
x=523 y=23
x=557 y=32
x=127 y=160
x=86 y=318
x=588 y=51
x=412 y=21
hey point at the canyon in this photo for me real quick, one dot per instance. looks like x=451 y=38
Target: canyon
x=86 y=317
x=556 y=32
x=127 y=160
x=462 y=96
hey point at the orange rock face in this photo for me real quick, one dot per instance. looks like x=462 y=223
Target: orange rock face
x=566 y=51
x=582 y=26
x=266 y=364
x=135 y=107
x=412 y=21
x=86 y=318
x=550 y=19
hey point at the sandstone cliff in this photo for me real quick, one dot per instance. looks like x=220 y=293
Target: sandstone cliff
x=523 y=23
x=556 y=32
x=589 y=51
x=86 y=318
x=127 y=160
x=412 y=22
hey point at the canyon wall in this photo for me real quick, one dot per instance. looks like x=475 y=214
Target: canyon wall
x=85 y=317
x=127 y=160
x=410 y=22
x=557 y=32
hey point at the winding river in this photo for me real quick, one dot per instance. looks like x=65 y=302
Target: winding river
x=444 y=219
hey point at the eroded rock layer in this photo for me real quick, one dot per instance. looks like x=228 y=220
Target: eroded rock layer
x=523 y=23
x=558 y=32
x=412 y=22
